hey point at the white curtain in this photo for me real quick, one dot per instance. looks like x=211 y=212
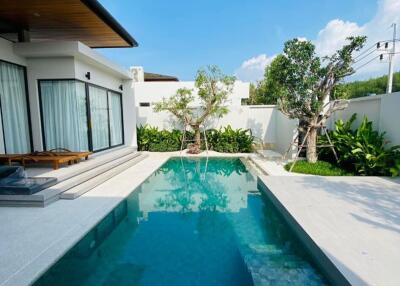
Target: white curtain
x=114 y=101
x=99 y=117
x=64 y=114
x=14 y=109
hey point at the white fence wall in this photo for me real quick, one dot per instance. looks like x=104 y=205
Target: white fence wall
x=265 y=121
x=383 y=110
x=150 y=92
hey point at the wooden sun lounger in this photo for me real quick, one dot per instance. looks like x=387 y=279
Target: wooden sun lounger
x=9 y=158
x=55 y=156
x=56 y=161
x=66 y=152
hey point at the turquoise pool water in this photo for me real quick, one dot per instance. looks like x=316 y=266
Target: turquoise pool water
x=193 y=222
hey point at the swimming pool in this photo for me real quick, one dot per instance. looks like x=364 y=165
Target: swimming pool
x=193 y=222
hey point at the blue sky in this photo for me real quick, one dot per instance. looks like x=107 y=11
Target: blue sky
x=178 y=37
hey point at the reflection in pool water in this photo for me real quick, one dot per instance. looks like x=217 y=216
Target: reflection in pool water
x=193 y=222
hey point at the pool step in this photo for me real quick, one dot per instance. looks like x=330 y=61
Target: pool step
x=70 y=177
x=110 y=171
x=270 y=265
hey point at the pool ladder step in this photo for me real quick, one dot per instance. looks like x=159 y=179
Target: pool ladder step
x=270 y=265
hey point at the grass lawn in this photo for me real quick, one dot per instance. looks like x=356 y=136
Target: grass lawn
x=320 y=168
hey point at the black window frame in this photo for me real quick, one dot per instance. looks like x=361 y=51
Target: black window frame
x=28 y=109
x=122 y=117
x=88 y=114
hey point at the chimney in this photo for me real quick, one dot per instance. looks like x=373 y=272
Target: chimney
x=137 y=73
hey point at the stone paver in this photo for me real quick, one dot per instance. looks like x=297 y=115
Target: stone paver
x=354 y=220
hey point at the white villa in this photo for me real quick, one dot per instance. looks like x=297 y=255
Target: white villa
x=55 y=89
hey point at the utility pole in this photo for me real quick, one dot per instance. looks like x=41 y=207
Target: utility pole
x=391 y=61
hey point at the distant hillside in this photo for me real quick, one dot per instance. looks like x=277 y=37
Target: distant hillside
x=366 y=87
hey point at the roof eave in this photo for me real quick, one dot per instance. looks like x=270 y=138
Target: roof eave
x=104 y=15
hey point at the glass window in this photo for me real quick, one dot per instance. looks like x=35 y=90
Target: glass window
x=64 y=117
x=99 y=118
x=72 y=110
x=115 y=110
x=14 y=109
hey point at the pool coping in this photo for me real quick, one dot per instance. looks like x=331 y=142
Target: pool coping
x=324 y=263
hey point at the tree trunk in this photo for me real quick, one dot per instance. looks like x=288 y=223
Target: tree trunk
x=195 y=147
x=197 y=137
x=312 y=145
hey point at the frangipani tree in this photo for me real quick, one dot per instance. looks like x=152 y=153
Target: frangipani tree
x=306 y=82
x=213 y=89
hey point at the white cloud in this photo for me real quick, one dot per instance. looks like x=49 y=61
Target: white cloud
x=333 y=36
x=253 y=68
x=302 y=39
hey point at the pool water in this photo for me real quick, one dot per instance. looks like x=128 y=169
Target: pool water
x=193 y=222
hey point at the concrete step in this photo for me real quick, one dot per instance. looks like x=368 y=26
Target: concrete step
x=95 y=160
x=100 y=178
x=72 y=176
x=270 y=154
x=84 y=176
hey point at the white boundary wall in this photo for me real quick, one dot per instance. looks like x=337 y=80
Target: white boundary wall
x=150 y=92
x=265 y=121
x=383 y=110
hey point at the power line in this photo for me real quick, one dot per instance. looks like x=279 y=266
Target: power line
x=362 y=53
x=373 y=51
x=363 y=65
x=375 y=45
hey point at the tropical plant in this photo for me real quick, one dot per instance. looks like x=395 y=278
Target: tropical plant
x=363 y=150
x=228 y=140
x=213 y=87
x=153 y=139
x=225 y=140
x=305 y=82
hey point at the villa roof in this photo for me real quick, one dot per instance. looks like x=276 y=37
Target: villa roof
x=158 y=77
x=86 y=21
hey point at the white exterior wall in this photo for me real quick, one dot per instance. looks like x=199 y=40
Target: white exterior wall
x=155 y=91
x=266 y=123
x=68 y=60
x=7 y=53
x=364 y=106
x=286 y=130
x=382 y=110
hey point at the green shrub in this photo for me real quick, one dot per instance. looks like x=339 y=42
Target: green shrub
x=152 y=139
x=320 y=168
x=364 y=150
x=228 y=140
x=225 y=140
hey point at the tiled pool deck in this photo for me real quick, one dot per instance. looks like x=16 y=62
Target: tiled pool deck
x=355 y=221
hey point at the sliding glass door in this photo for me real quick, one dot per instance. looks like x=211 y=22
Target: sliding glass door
x=115 y=113
x=64 y=119
x=14 y=109
x=79 y=116
x=99 y=118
